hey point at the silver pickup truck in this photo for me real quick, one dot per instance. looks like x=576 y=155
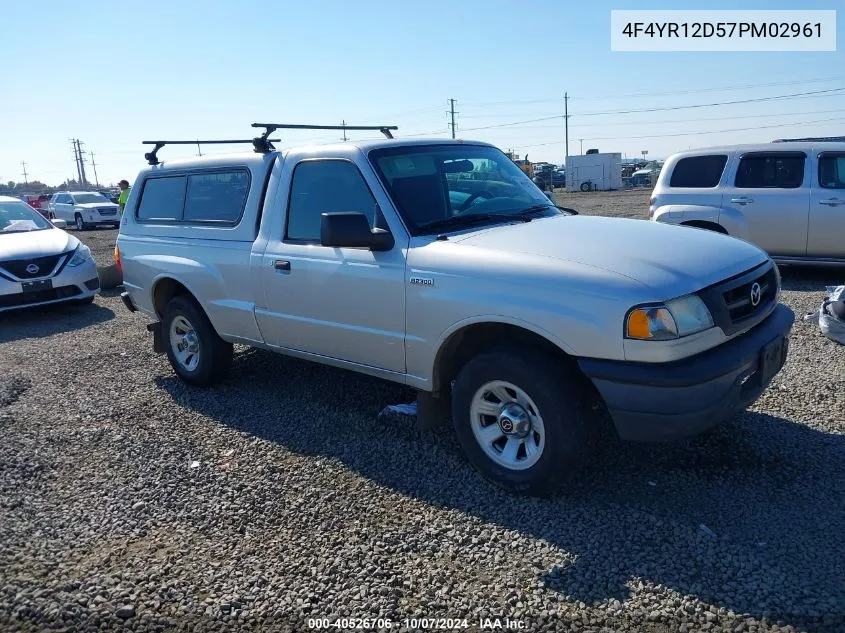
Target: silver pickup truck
x=440 y=265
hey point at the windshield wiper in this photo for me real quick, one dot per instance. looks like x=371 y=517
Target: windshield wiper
x=457 y=221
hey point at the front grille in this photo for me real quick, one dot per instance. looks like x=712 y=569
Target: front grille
x=731 y=303
x=17 y=267
x=738 y=301
x=29 y=298
x=108 y=211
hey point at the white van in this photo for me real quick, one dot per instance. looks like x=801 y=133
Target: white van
x=788 y=198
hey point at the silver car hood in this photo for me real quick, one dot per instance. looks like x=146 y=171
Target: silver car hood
x=668 y=259
x=35 y=244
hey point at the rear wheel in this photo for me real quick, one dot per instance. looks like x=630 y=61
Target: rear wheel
x=523 y=419
x=196 y=352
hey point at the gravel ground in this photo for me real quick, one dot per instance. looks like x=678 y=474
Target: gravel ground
x=130 y=500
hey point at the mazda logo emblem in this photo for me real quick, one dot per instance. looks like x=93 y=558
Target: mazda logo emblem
x=756 y=294
x=32 y=269
x=507 y=425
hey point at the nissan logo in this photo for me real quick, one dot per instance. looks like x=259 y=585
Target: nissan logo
x=756 y=294
x=32 y=269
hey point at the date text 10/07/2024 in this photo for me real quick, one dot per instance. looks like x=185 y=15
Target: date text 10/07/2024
x=416 y=624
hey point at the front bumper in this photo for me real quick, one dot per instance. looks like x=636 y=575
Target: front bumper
x=662 y=401
x=71 y=284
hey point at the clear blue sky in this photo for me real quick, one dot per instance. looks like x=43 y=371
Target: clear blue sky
x=113 y=74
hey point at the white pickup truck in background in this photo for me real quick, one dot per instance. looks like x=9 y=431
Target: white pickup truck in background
x=440 y=265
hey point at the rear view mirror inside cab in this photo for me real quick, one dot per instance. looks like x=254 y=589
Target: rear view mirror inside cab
x=457 y=166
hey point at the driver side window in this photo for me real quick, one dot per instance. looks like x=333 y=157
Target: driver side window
x=325 y=186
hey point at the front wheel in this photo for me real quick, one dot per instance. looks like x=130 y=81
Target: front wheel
x=196 y=352
x=80 y=223
x=523 y=419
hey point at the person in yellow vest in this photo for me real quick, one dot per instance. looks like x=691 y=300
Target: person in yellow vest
x=124 y=194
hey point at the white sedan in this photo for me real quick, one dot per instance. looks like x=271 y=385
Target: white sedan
x=39 y=262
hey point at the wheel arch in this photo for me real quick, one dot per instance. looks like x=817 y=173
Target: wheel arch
x=465 y=339
x=164 y=288
x=707 y=225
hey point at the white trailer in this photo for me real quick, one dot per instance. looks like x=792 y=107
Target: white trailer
x=594 y=172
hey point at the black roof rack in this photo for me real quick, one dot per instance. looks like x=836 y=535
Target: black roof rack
x=272 y=127
x=152 y=158
x=263 y=144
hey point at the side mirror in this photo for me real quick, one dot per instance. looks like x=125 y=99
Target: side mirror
x=352 y=230
x=59 y=224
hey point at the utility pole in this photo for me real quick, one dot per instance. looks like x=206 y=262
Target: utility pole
x=566 y=125
x=94 y=165
x=199 y=153
x=580 y=140
x=25 y=180
x=344 y=130
x=79 y=145
x=452 y=112
x=73 y=142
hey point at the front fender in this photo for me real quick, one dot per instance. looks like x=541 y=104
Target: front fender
x=505 y=320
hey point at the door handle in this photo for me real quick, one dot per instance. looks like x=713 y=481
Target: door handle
x=832 y=202
x=742 y=200
x=281 y=264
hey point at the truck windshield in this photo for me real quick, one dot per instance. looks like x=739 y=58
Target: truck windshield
x=436 y=187
x=17 y=217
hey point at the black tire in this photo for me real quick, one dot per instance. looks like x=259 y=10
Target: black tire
x=215 y=354
x=79 y=223
x=585 y=186
x=564 y=403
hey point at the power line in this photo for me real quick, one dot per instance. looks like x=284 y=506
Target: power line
x=795 y=95
x=697 y=120
x=716 y=103
x=660 y=94
x=741 y=129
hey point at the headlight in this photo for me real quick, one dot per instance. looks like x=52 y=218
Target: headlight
x=81 y=255
x=674 y=319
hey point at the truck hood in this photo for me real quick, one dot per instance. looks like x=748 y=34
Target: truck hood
x=671 y=260
x=36 y=244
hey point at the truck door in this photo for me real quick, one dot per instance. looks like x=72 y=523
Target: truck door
x=340 y=303
x=826 y=235
x=771 y=195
